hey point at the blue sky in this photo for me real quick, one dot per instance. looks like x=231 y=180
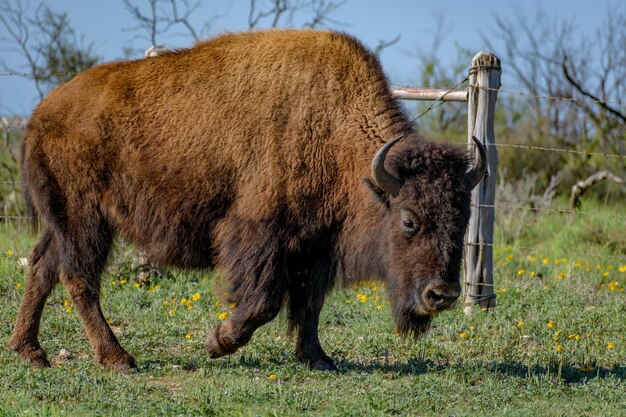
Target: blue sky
x=106 y=24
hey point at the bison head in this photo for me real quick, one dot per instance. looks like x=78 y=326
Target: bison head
x=425 y=188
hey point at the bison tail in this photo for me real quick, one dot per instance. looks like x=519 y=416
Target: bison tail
x=30 y=210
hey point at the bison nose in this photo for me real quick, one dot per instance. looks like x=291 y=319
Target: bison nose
x=441 y=298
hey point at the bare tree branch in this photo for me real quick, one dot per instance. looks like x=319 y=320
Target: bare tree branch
x=320 y=11
x=47 y=43
x=13 y=20
x=383 y=44
x=586 y=93
x=161 y=16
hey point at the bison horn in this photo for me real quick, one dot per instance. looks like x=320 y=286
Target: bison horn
x=478 y=171
x=384 y=179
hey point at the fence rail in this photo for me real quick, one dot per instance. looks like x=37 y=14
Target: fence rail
x=429 y=94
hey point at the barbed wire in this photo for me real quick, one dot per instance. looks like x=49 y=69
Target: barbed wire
x=439 y=100
x=543 y=148
x=548 y=209
x=546 y=97
x=549 y=251
x=14 y=74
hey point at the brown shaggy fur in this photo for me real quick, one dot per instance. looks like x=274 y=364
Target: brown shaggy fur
x=245 y=152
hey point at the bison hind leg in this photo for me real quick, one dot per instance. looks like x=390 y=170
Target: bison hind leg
x=85 y=252
x=43 y=275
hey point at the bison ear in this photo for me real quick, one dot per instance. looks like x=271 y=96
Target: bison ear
x=379 y=195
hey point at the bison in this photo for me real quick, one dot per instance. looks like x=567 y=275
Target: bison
x=279 y=157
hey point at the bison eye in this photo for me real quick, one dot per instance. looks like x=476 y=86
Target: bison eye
x=408 y=221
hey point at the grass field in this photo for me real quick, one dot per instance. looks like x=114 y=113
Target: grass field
x=555 y=345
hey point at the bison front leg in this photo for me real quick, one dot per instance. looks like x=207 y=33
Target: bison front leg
x=226 y=338
x=308 y=347
x=251 y=255
x=307 y=290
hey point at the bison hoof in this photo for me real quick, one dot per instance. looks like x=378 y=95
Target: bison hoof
x=215 y=348
x=322 y=365
x=122 y=364
x=32 y=354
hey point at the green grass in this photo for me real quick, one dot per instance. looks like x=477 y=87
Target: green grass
x=501 y=362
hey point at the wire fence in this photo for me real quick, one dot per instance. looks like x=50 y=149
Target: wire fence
x=456 y=88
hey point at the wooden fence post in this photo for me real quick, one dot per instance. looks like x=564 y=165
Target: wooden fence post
x=484 y=82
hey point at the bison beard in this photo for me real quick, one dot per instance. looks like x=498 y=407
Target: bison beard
x=248 y=153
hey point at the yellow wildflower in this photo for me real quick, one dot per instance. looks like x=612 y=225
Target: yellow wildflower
x=223 y=316
x=137 y=284
x=271 y=376
x=484 y=309
x=69 y=310
x=379 y=307
x=188 y=336
x=196 y=296
x=532 y=274
x=463 y=335
x=559 y=348
x=605 y=274
x=561 y=275
x=550 y=324
x=9 y=252
x=532 y=258
x=171 y=312
x=521 y=271
x=613 y=285
x=472 y=328
x=183 y=301
x=66 y=303
x=520 y=323
x=113 y=282
x=622 y=268
x=545 y=260
x=18 y=285
x=578 y=264
x=610 y=345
